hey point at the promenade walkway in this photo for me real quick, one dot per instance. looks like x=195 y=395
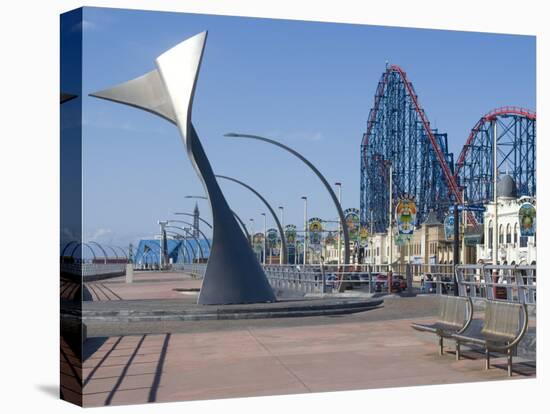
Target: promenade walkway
x=139 y=363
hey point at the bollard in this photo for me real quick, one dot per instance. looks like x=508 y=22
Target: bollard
x=129 y=273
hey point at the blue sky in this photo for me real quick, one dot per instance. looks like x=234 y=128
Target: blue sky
x=310 y=85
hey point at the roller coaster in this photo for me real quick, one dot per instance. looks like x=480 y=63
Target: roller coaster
x=399 y=135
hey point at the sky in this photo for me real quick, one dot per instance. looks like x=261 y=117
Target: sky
x=309 y=85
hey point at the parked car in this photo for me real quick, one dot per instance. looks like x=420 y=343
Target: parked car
x=355 y=281
x=365 y=278
x=399 y=283
x=330 y=281
x=380 y=282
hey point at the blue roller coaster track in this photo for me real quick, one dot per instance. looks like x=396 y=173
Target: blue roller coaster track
x=399 y=134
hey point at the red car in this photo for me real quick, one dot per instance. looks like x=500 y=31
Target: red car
x=398 y=283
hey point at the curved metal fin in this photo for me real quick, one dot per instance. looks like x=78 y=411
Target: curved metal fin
x=146 y=92
x=179 y=68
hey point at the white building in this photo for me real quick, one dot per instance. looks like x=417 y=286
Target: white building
x=512 y=248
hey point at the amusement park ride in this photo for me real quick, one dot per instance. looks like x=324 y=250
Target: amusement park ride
x=399 y=134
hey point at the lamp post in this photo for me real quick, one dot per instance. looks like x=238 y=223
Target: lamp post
x=252 y=232
x=495 y=193
x=282 y=252
x=305 y=229
x=162 y=255
x=390 y=208
x=265 y=237
x=339 y=185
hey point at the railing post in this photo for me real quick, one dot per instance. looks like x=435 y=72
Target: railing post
x=323 y=278
x=408 y=273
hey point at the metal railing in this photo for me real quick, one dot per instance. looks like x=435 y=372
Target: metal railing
x=330 y=278
x=196 y=270
x=89 y=270
x=505 y=282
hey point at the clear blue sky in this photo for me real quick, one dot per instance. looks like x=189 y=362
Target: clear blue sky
x=309 y=85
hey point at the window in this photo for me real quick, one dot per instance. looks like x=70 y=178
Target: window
x=500 y=235
x=515 y=233
x=523 y=241
x=508 y=233
x=490 y=235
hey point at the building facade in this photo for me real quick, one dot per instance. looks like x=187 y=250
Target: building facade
x=512 y=248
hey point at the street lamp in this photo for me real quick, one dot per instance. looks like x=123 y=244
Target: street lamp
x=265 y=237
x=305 y=229
x=282 y=252
x=390 y=216
x=339 y=185
x=251 y=231
x=162 y=256
x=197 y=196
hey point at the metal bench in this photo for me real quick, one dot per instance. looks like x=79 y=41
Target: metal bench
x=455 y=315
x=503 y=327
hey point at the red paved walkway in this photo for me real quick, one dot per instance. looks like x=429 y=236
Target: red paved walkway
x=254 y=361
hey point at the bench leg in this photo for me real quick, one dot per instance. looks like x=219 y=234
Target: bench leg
x=509 y=352
x=487 y=358
x=457 y=351
x=440 y=345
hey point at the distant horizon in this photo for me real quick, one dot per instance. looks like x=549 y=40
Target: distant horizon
x=309 y=85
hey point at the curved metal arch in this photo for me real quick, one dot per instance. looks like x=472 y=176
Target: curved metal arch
x=189 y=234
x=105 y=255
x=183 y=246
x=185 y=238
x=125 y=255
x=284 y=250
x=200 y=218
x=113 y=250
x=243 y=226
x=245 y=230
x=154 y=254
x=318 y=174
x=233 y=273
x=66 y=246
x=199 y=230
x=82 y=244
x=150 y=251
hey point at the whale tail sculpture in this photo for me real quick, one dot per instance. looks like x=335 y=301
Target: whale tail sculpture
x=233 y=273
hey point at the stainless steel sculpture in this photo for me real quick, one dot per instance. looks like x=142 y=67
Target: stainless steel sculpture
x=318 y=174
x=233 y=273
x=277 y=221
